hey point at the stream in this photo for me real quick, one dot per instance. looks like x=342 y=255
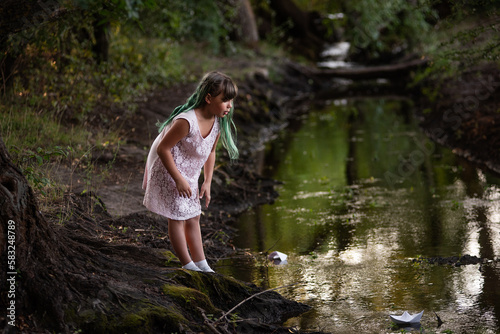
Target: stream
x=363 y=193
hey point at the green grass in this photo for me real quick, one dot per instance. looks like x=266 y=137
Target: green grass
x=25 y=129
x=61 y=108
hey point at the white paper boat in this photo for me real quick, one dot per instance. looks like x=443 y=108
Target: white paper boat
x=406 y=318
x=277 y=256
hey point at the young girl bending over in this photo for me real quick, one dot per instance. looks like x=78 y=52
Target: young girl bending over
x=185 y=145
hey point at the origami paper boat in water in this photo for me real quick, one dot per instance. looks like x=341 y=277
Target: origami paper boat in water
x=277 y=256
x=407 y=318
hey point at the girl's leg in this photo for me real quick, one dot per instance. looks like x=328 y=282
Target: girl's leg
x=193 y=238
x=177 y=235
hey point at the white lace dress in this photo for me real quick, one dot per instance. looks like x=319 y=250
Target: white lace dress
x=190 y=155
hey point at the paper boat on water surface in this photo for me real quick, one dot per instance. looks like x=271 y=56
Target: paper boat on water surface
x=277 y=256
x=406 y=318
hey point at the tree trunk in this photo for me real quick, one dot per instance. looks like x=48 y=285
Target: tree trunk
x=101 y=36
x=29 y=249
x=304 y=32
x=7 y=68
x=247 y=25
x=53 y=273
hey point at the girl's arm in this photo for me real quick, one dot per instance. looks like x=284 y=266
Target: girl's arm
x=179 y=130
x=208 y=172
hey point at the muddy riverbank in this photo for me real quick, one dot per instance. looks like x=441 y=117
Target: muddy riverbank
x=464 y=114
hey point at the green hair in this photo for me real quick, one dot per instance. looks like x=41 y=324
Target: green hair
x=213 y=83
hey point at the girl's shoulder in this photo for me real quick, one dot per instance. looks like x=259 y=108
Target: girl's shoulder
x=189 y=116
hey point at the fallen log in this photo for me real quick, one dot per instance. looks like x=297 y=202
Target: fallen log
x=390 y=71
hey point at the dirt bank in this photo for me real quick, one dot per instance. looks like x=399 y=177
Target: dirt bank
x=464 y=114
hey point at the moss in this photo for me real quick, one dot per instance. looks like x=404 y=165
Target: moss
x=222 y=291
x=193 y=280
x=151 y=319
x=147 y=318
x=211 y=284
x=134 y=321
x=189 y=298
x=87 y=315
x=91 y=321
x=170 y=259
x=70 y=314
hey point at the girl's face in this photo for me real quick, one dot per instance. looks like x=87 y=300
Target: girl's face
x=218 y=106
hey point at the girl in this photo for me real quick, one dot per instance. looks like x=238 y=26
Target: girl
x=186 y=143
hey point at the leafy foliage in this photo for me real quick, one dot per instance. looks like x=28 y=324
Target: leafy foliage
x=322 y=6
x=115 y=9
x=472 y=34
x=467 y=32
x=468 y=36
x=387 y=29
x=205 y=21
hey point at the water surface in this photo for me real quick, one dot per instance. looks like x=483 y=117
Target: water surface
x=363 y=193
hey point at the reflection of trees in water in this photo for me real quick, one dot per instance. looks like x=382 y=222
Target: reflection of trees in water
x=418 y=217
x=475 y=188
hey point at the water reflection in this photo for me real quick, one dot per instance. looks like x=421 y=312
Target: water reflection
x=363 y=192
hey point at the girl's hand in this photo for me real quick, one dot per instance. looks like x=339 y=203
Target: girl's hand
x=205 y=191
x=179 y=130
x=183 y=188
